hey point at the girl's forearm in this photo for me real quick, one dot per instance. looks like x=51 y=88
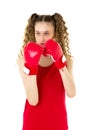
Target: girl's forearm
x=68 y=82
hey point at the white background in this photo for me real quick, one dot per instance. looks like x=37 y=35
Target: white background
x=13 y=18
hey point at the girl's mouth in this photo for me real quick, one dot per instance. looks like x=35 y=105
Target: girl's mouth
x=42 y=44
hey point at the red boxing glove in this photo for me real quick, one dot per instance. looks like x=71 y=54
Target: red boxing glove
x=54 y=49
x=32 y=53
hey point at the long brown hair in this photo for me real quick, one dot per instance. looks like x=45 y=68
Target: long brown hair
x=61 y=34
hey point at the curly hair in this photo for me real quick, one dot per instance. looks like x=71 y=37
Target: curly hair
x=61 y=34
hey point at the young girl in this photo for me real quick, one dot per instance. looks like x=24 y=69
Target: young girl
x=45 y=66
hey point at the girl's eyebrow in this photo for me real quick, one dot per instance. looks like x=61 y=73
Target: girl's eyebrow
x=39 y=31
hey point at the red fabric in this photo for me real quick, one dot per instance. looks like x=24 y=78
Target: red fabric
x=50 y=113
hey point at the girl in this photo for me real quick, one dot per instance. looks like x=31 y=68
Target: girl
x=47 y=78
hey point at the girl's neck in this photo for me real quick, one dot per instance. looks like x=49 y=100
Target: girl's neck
x=45 y=61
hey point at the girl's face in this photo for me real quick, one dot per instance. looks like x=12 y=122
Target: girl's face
x=43 y=32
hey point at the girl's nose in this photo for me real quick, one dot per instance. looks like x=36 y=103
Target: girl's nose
x=42 y=39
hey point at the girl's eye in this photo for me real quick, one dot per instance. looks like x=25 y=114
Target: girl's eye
x=37 y=33
x=46 y=33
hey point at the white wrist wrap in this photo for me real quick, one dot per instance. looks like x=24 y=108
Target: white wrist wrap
x=26 y=70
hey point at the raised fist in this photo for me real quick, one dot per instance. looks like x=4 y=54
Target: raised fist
x=32 y=53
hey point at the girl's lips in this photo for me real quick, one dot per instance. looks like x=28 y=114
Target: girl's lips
x=42 y=44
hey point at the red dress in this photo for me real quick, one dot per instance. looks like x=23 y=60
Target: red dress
x=50 y=113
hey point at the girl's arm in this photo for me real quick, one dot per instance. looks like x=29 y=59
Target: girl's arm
x=68 y=81
x=29 y=82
